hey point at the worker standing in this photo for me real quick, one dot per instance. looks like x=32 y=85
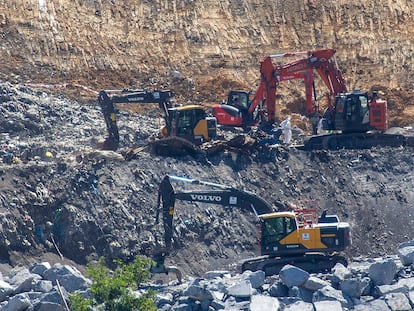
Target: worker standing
x=287 y=130
x=320 y=130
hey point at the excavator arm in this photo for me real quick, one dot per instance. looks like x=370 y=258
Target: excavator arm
x=315 y=61
x=108 y=99
x=225 y=196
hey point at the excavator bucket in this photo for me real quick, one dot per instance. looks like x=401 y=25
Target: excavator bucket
x=174 y=146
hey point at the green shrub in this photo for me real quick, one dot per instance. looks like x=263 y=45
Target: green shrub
x=113 y=290
x=78 y=303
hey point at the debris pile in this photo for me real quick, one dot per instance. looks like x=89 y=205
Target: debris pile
x=40 y=287
x=383 y=283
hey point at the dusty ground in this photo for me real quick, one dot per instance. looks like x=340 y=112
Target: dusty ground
x=102 y=205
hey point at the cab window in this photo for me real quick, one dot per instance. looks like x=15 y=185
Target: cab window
x=275 y=229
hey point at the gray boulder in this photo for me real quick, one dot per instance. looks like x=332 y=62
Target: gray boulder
x=256 y=278
x=340 y=273
x=314 y=283
x=397 y=301
x=331 y=294
x=327 y=306
x=54 y=296
x=383 y=272
x=241 y=290
x=43 y=286
x=18 y=302
x=22 y=275
x=261 y=302
x=382 y=290
x=299 y=306
x=40 y=268
x=354 y=287
x=198 y=292
x=406 y=253
x=27 y=284
x=69 y=277
x=407 y=282
x=377 y=305
x=5 y=290
x=49 y=306
x=306 y=294
x=293 y=276
x=359 y=266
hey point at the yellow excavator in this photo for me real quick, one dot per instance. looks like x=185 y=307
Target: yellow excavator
x=296 y=236
x=184 y=125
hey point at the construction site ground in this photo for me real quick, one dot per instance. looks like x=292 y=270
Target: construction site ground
x=61 y=195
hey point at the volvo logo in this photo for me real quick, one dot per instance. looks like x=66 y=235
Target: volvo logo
x=205 y=197
x=135 y=99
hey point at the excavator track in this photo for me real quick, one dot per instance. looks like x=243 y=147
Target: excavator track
x=311 y=262
x=355 y=141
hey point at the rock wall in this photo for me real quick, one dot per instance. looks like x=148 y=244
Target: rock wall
x=216 y=44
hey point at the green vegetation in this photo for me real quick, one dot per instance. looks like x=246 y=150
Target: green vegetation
x=114 y=290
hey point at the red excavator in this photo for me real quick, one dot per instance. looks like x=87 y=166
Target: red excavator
x=295 y=236
x=262 y=108
x=359 y=119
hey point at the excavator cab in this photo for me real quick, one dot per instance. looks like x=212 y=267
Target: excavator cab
x=235 y=111
x=189 y=122
x=301 y=231
x=274 y=229
x=355 y=112
x=351 y=112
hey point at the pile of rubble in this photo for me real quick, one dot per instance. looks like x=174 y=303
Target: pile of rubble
x=385 y=283
x=40 y=287
x=60 y=195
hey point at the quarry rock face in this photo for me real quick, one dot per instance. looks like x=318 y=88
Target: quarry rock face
x=64 y=202
x=203 y=49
